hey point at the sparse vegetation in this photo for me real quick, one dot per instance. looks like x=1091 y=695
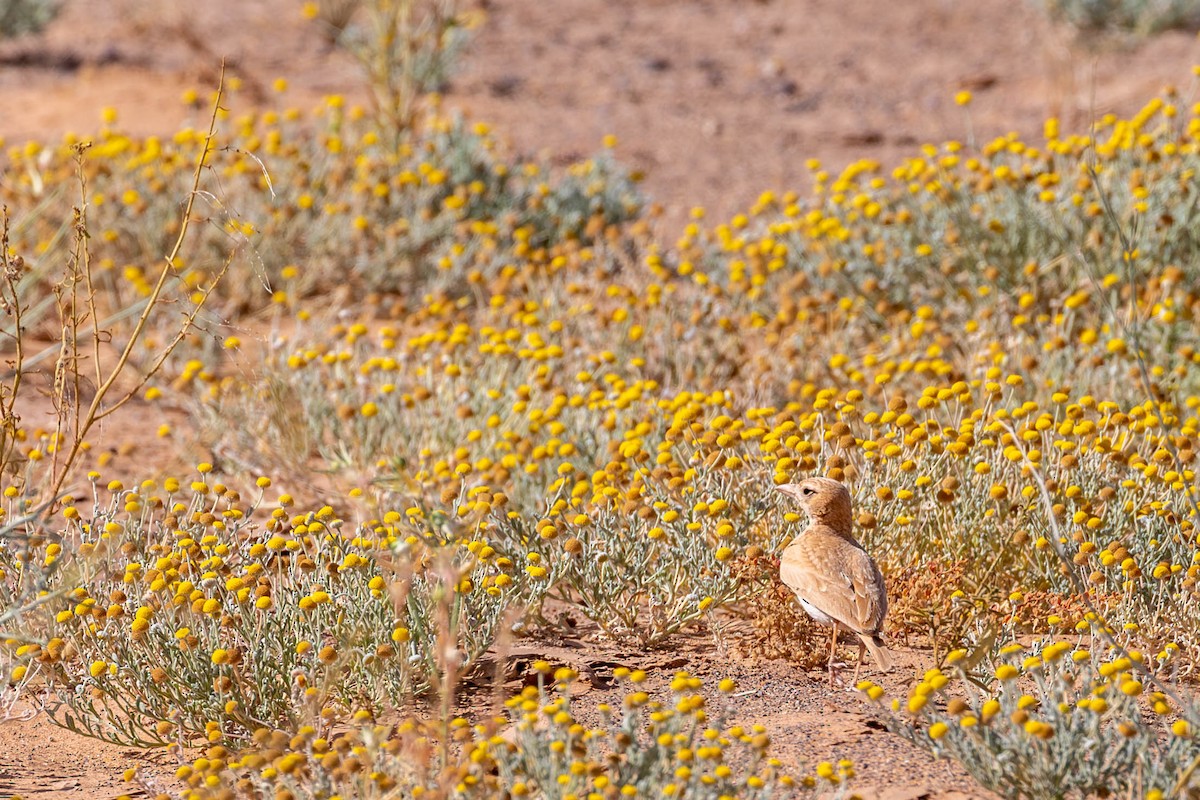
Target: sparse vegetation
x=1133 y=16
x=466 y=392
x=1057 y=721
x=538 y=748
x=20 y=17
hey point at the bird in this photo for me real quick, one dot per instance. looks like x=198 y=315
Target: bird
x=833 y=577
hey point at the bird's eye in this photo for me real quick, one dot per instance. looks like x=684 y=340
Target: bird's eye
x=808 y=490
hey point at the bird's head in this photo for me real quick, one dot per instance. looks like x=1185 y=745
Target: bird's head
x=826 y=501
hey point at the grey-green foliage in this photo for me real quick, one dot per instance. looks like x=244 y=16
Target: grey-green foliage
x=1138 y=16
x=19 y=17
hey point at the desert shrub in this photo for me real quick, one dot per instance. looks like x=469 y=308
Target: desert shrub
x=634 y=520
x=568 y=433
x=31 y=565
x=1137 y=16
x=587 y=375
x=20 y=17
x=406 y=48
x=684 y=746
x=1006 y=253
x=201 y=621
x=38 y=565
x=1054 y=721
x=311 y=210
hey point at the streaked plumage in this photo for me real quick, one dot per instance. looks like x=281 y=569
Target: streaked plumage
x=834 y=579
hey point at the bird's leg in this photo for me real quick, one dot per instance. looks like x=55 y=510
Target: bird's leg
x=832 y=653
x=862 y=649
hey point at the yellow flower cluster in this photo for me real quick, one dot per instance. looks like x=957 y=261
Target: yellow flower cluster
x=646 y=749
x=249 y=609
x=1043 y=703
x=521 y=395
x=442 y=198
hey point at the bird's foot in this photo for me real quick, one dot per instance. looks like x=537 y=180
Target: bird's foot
x=835 y=677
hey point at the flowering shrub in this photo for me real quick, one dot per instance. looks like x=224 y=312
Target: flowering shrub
x=341 y=202
x=641 y=549
x=200 y=621
x=647 y=748
x=1057 y=721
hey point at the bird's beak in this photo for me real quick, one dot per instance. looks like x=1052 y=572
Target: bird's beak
x=787 y=488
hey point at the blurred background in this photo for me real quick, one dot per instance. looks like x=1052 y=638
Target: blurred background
x=714 y=100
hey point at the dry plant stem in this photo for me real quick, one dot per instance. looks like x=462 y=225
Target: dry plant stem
x=12 y=303
x=93 y=314
x=102 y=390
x=393 y=21
x=1185 y=777
x=390 y=61
x=165 y=353
x=449 y=671
x=66 y=367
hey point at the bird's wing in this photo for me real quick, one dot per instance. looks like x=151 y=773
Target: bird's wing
x=838 y=578
x=870 y=594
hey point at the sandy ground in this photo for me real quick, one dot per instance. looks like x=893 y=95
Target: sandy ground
x=715 y=101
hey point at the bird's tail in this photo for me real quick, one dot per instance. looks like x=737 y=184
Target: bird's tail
x=878 y=649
